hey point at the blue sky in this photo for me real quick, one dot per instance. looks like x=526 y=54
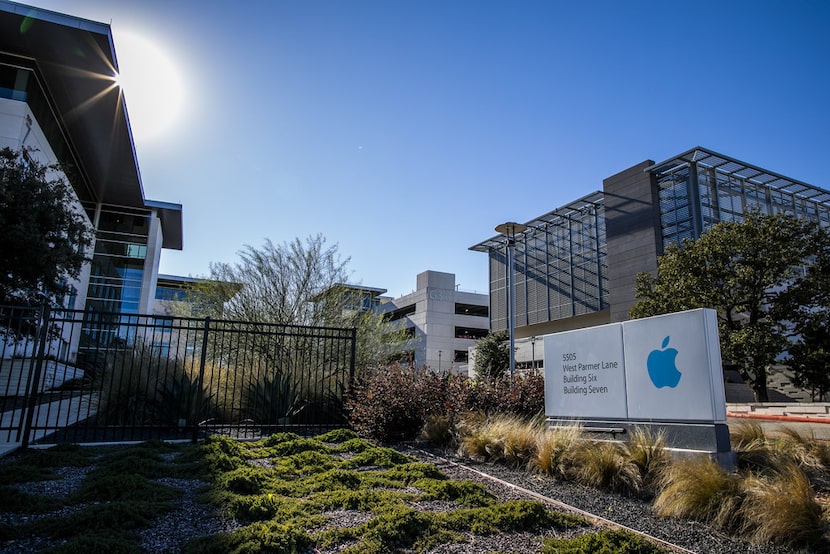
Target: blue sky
x=405 y=131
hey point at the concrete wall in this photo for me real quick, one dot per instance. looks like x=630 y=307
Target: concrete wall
x=435 y=320
x=632 y=224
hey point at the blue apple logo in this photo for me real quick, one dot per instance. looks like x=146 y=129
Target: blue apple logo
x=661 y=367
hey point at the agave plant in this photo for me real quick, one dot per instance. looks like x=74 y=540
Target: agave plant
x=182 y=400
x=274 y=398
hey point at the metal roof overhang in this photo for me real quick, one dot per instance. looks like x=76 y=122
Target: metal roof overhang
x=749 y=172
x=554 y=217
x=171 y=223
x=76 y=64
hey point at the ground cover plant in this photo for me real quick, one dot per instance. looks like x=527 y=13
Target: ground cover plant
x=118 y=494
x=287 y=490
x=774 y=497
x=284 y=493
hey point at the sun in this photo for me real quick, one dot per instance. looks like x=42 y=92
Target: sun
x=151 y=83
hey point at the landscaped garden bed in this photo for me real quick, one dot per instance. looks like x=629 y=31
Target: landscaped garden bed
x=333 y=493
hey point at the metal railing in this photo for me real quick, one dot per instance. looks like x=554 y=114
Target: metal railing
x=75 y=376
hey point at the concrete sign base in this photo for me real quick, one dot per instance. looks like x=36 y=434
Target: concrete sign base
x=684 y=438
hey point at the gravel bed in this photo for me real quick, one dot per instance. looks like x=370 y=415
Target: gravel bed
x=631 y=512
x=189 y=518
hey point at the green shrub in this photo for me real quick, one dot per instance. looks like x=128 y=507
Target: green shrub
x=22 y=502
x=378 y=457
x=270 y=536
x=106 y=486
x=244 y=480
x=337 y=435
x=607 y=541
x=112 y=541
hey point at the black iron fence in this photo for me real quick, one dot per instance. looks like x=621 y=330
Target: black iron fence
x=75 y=376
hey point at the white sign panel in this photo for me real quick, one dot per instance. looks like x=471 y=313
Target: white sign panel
x=664 y=368
x=673 y=368
x=584 y=374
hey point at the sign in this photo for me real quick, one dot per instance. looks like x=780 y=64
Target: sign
x=664 y=368
x=584 y=373
x=673 y=367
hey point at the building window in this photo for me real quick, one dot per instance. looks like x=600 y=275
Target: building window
x=400 y=336
x=470 y=333
x=402 y=357
x=471 y=309
x=461 y=357
x=401 y=313
x=171 y=294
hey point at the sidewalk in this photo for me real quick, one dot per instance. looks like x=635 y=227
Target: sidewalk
x=46 y=418
x=803 y=412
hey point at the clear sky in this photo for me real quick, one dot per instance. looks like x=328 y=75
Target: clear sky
x=404 y=131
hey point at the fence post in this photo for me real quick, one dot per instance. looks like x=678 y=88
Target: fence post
x=31 y=400
x=354 y=354
x=198 y=404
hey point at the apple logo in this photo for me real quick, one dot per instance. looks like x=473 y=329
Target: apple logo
x=661 y=367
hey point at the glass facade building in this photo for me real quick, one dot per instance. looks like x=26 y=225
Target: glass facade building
x=560 y=266
x=51 y=65
x=575 y=266
x=700 y=188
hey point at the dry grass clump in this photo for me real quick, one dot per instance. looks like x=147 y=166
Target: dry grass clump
x=554 y=450
x=781 y=508
x=809 y=454
x=603 y=465
x=438 y=429
x=698 y=488
x=762 y=453
x=771 y=500
x=507 y=439
x=747 y=435
x=647 y=451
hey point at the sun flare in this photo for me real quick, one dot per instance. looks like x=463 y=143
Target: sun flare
x=151 y=83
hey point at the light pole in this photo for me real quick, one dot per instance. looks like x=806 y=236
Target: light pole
x=533 y=352
x=510 y=229
x=439 y=361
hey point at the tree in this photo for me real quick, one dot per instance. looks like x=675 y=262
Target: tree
x=492 y=358
x=805 y=309
x=45 y=234
x=295 y=283
x=809 y=357
x=742 y=270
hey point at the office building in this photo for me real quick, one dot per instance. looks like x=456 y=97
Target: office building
x=575 y=266
x=59 y=101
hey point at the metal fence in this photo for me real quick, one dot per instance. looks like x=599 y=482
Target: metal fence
x=75 y=376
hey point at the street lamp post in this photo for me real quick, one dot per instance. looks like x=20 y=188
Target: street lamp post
x=510 y=229
x=533 y=352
